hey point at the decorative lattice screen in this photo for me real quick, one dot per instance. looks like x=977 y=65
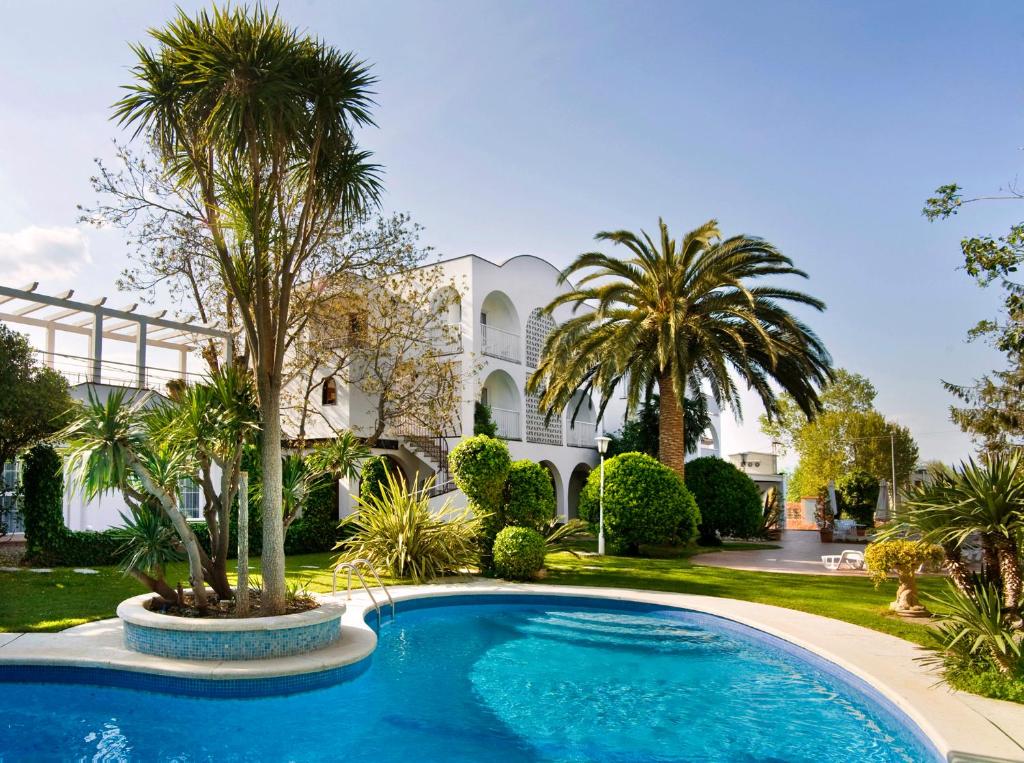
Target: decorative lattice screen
x=535 y=429
x=538 y=326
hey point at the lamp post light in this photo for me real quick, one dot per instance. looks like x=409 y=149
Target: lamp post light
x=602 y=448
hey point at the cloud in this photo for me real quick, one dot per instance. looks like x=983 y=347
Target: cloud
x=42 y=254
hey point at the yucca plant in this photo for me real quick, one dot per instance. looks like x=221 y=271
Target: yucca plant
x=972 y=627
x=149 y=545
x=398 y=533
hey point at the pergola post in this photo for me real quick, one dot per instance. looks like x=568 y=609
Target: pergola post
x=183 y=364
x=51 y=346
x=96 y=348
x=140 y=355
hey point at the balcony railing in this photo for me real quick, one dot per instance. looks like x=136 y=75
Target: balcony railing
x=581 y=434
x=509 y=423
x=499 y=343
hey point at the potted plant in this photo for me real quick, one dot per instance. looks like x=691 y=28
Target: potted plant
x=826 y=519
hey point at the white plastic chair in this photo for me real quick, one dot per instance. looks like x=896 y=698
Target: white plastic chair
x=848 y=560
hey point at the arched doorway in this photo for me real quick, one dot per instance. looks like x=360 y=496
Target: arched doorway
x=556 y=483
x=577 y=480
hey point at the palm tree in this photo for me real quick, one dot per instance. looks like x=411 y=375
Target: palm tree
x=255 y=120
x=676 y=315
x=985 y=499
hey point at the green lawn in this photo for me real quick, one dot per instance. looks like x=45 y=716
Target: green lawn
x=35 y=601
x=51 y=602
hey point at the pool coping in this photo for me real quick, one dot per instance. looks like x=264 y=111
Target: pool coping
x=962 y=727
x=134 y=611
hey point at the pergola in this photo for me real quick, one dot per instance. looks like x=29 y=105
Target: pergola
x=94 y=319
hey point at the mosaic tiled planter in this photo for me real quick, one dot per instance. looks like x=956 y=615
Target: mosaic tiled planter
x=249 y=638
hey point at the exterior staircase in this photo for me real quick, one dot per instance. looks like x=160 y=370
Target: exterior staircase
x=433 y=451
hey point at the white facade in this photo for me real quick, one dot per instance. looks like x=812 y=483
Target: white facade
x=502 y=332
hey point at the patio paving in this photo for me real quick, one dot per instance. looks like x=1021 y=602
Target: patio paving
x=800 y=554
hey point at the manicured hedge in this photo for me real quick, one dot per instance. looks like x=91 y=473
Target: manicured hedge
x=729 y=501
x=48 y=541
x=518 y=553
x=529 y=496
x=645 y=502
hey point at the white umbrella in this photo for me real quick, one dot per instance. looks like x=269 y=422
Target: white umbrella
x=882 y=507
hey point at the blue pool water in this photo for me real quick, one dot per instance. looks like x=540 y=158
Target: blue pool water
x=487 y=680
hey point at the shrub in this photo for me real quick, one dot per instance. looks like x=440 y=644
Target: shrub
x=857 y=496
x=480 y=466
x=518 y=553
x=398 y=533
x=372 y=476
x=317 y=529
x=483 y=423
x=729 y=501
x=529 y=496
x=644 y=502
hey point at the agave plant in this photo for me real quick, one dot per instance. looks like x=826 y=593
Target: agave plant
x=396 y=530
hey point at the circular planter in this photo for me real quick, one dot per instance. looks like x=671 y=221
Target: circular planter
x=243 y=638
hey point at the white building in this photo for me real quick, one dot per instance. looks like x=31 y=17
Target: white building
x=502 y=331
x=762 y=468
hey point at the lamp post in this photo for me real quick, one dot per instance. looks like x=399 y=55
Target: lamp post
x=602 y=448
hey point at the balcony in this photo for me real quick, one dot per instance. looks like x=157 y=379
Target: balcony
x=509 y=423
x=581 y=435
x=499 y=343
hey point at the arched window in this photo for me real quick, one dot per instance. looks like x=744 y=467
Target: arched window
x=329 y=391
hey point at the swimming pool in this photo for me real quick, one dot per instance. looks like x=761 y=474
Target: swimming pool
x=496 y=678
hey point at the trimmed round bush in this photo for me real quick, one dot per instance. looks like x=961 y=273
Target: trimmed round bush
x=644 y=502
x=518 y=553
x=729 y=501
x=529 y=496
x=480 y=466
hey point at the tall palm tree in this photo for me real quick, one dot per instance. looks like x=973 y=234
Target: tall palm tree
x=256 y=121
x=676 y=315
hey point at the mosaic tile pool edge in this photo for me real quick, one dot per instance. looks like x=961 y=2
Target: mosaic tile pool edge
x=234 y=688
x=231 y=645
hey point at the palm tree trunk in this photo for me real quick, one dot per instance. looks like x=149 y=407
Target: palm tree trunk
x=272 y=563
x=989 y=557
x=958 y=572
x=1009 y=569
x=671 y=429
x=196 y=575
x=156 y=585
